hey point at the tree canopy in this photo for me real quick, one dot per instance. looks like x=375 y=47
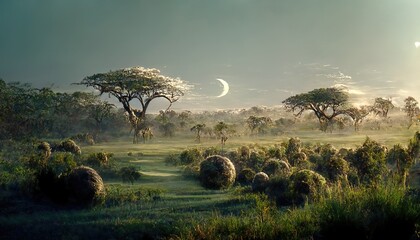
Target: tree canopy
x=137 y=83
x=326 y=103
x=382 y=106
x=411 y=109
x=358 y=114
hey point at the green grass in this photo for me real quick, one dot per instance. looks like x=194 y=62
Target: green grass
x=163 y=203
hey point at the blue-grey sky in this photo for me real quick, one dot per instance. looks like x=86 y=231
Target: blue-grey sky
x=266 y=50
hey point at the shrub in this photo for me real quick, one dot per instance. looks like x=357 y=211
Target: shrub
x=191 y=171
x=98 y=159
x=129 y=174
x=337 y=168
x=275 y=152
x=190 y=156
x=244 y=152
x=217 y=172
x=279 y=190
x=246 y=176
x=275 y=167
x=327 y=151
x=300 y=160
x=402 y=160
x=45 y=149
x=210 y=152
x=233 y=156
x=85 y=186
x=260 y=182
x=51 y=176
x=256 y=160
x=307 y=185
x=369 y=160
x=293 y=146
x=172 y=159
x=68 y=146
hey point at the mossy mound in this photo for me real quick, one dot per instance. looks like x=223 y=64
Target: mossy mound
x=85 y=186
x=217 y=172
x=276 y=167
x=246 y=176
x=260 y=182
x=307 y=184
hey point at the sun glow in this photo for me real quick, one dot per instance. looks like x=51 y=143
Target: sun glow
x=417 y=44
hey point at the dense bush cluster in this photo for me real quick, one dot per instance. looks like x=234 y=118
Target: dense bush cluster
x=53 y=172
x=292 y=173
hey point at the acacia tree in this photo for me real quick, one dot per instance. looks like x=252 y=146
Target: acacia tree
x=137 y=83
x=326 y=103
x=411 y=109
x=382 y=106
x=258 y=123
x=358 y=114
x=221 y=130
x=198 y=128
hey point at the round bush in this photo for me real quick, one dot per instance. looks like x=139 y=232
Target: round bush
x=217 y=172
x=85 y=186
x=246 y=176
x=244 y=152
x=300 y=160
x=337 y=168
x=129 y=174
x=69 y=146
x=275 y=167
x=260 y=182
x=98 y=159
x=307 y=183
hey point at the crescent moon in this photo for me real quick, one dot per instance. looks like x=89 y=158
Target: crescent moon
x=225 y=87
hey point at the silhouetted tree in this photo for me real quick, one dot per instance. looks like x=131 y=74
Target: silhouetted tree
x=198 y=128
x=411 y=109
x=382 y=106
x=137 y=83
x=326 y=103
x=358 y=114
x=258 y=123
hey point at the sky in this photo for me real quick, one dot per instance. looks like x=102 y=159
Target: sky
x=266 y=50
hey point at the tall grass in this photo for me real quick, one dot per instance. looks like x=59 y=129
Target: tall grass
x=385 y=212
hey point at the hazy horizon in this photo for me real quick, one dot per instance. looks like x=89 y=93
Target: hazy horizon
x=266 y=50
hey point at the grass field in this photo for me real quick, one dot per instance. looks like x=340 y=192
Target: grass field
x=162 y=202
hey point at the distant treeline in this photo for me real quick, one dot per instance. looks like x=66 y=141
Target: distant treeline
x=27 y=112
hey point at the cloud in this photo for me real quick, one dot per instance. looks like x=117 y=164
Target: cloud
x=348 y=89
x=338 y=76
